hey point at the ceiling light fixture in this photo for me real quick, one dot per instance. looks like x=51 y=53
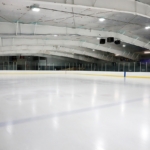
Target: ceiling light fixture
x=148 y=27
x=124 y=45
x=147 y=52
x=98 y=38
x=101 y=19
x=55 y=35
x=35 y=8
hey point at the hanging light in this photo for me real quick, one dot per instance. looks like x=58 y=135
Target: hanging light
x=101 y=19
x=146 y=52
x=35 y=8
x=148 y=27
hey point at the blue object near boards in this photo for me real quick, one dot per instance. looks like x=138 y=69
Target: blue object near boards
x=124 y=74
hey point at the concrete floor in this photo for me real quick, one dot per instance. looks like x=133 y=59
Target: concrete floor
x=67 y=112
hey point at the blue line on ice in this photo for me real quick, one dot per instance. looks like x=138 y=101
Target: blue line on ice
x=65 y=113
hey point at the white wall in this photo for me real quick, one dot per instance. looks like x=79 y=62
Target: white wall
x=86 y=73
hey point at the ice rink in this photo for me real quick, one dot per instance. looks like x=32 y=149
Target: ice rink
x=74 y=112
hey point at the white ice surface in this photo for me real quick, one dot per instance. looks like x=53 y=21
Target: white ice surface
x=74 y=112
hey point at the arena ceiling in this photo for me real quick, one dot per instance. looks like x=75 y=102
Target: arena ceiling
x=70 y=28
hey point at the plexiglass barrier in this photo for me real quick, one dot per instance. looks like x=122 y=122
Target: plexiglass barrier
x=115 y=66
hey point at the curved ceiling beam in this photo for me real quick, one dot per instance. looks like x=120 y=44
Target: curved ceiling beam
x=46 y=53
x=64 y=43
x=73 y=60
x=24 y=30
x=126 y=6
x=37 y=49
